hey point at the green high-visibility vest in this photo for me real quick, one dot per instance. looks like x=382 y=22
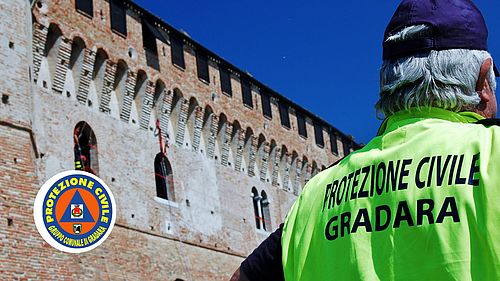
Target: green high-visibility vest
x=419 y=202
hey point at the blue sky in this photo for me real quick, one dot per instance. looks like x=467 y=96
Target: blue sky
x=323 y=55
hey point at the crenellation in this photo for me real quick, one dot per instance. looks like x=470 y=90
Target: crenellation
x=192 y=68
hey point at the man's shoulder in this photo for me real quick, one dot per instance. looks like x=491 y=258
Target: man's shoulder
x=479 y=129
x=487 y=128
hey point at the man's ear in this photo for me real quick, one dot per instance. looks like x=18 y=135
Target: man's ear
x=483 y=78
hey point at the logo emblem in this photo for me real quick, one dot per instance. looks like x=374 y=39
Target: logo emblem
x=74 y=211
x=77 y=228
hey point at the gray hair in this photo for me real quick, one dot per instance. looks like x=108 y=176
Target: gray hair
x=445 y=79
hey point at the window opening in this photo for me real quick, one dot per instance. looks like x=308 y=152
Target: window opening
x=85 y=6
x=85 y=148
x=118 y=13
x=225 y=81
x=318 y=132
x=164 y=177
x=256 y=208
x=261 y=210
x=246 y=93
x=202 y=66
x=301 y=122
x=284 y=115
x=177 y=49
x=333 y=143
x=266 y=104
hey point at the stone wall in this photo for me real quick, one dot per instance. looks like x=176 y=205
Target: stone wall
x=61 y=67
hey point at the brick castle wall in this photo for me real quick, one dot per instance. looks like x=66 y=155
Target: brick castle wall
x=62 y=67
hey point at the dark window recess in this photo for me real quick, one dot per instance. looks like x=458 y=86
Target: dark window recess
x=202 y=66
x=255 y=201
x=333 y=143
x=301 y=122
x=266 y=104
x=177 y=47
x=149 y=35
x=225 y=80
x=284 y=116
x=318 y=133
x=85 y=6
x=118 y=16
x=163 y=177
x=347 y=147
x=246 y=93
x=85 y=148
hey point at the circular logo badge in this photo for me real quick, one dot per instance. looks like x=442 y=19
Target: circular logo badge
x=74 y=211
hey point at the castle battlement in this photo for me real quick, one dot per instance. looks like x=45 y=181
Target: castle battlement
x=148 y=59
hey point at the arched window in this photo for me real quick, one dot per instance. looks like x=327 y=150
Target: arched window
x=266 y=215
x=256 y=207
x=261 y=210
x=85 y=148
x=164 y=177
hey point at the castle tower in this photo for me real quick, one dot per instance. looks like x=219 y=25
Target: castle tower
x=204 y=161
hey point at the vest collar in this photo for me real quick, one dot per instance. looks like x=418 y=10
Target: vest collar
x=413 y=115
